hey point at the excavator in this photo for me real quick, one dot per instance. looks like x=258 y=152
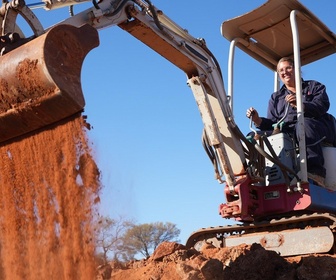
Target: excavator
x=266 y=186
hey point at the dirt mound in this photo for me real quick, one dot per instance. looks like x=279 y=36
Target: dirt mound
x=49 y=184
x=174 y=261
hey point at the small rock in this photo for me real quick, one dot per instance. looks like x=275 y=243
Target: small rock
x=165 y=249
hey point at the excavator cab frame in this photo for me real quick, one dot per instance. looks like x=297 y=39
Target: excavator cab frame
x=280 y=28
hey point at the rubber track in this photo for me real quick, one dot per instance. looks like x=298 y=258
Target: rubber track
x=274 y=225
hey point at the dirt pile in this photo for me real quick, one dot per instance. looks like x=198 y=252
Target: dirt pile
x=172 y=261
x=49 y=183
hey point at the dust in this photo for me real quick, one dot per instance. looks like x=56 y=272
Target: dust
x=49 y=183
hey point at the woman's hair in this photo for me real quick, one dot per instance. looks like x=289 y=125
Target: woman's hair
x=288 y=59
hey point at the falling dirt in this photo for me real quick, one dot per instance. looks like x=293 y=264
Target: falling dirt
x=49 y=185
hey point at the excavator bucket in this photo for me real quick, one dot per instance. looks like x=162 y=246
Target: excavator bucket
x=40 y=80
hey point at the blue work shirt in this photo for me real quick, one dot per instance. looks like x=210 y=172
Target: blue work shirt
x=315 y=103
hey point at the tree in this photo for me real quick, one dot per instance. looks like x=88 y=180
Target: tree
x=109 y=236
x=144 y=238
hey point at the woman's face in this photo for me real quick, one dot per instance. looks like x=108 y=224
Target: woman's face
x=286 y=73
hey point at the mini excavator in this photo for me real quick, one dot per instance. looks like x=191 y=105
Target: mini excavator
x=266 y=187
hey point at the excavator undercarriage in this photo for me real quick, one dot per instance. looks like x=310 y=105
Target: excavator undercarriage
x=291 y=235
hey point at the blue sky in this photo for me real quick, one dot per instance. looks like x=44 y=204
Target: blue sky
x=146 y=126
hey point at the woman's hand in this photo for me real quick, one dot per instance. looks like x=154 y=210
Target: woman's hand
x=253 y=114
x=291 y=99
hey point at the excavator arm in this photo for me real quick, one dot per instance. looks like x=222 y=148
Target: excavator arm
x=148 y=24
